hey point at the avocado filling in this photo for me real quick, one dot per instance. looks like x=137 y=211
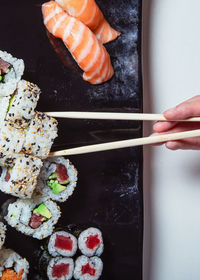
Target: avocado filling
x=39 y=215
x=56 y=184
x=12 y=99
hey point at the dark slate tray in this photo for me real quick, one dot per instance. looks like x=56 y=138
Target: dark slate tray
x=109 y=192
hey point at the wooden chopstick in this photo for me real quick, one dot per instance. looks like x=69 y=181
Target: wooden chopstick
x=115 y=116
x=128 y=143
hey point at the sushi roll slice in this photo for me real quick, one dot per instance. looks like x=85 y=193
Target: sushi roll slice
x=59 y=177
x=2 y=234
x=40 y=135
x=90 y=242
x=12 y=265
x=11 y=70
x=35 y=217
x=23 y=103
x=11 y=143
x=60 y=268
x=21 y=179
x=88 y=268
x=62 y=243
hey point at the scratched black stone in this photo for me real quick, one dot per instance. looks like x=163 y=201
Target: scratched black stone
x=109 y=191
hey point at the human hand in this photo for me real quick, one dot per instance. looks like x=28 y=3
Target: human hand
x=187 y=109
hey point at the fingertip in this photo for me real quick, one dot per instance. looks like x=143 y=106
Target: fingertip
x=172 y=145
x=170 y=114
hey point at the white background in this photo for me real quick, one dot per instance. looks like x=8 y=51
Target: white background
x=171 y=69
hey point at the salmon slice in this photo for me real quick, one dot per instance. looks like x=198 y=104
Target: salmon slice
x=84 y=46
x=89 y=13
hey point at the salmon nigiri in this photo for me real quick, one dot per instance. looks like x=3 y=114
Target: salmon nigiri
x=86 y=49
x=89 y=13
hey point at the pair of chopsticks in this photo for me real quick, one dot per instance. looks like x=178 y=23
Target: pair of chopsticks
x=124 y=143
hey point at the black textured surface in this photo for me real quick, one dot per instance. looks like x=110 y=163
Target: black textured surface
x=109 y=191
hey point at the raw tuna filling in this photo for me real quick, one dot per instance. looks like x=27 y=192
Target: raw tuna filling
x=87 y=269
x=63 y=243
x=4 y=68
x=39 y=215
x=35 y=221
x=59 y=179
x=60 y=270
x=7 y=177
x=92 y=241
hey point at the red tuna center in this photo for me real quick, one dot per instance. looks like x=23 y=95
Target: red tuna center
x=7 y=177
x=62 y=172
x=87 y=269
x=35 y=221
x=59 y=270
x=92 y=241
x=64 y=243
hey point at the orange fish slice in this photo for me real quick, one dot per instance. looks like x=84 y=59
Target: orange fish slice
x=89 y=13
x=86 y=49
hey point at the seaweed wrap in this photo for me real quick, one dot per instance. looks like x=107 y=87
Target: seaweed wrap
x=60 y=268
x=88 y=268
x=20 y=179
x=12 y=265
x=40 y=135
x=11 y=70
x=2 y=234
x=35 y=217
x=90 y=242
x=59 y=178
x=23 y=103
x=62 y=243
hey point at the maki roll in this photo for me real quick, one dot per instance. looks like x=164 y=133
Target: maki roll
x=90 y=242
x=88 y=268
x=12 y=265
x=59 y=177
x=35 y=217
x=60 y=268
x=22 y=103
x=20 y=180
x=62 y=243
x=40 y=135
x=2 y=234
x=11 y=70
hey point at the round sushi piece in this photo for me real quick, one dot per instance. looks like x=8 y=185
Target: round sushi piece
x=21 y=179
x=60 y=269
x=59 y=177
x=88 y=268
x=40 y=135
x=35 y=217
x=90 y=242
x=62 y=243
x=12 y=265
x=2 y=234
x=23 y=103
x=11 y=70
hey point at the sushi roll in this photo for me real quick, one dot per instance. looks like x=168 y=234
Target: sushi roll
x=62 y=243
x=2 y=234
x=40 y=135
x=11 y=143
x=11 y=70
x=59 y=178
x=20 y=180
x=12 y=265
x=35 y=217
x=88 y=268
x=23 y=103
x=90 y=242
x=60 y=268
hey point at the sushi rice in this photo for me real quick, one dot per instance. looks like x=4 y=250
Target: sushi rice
x=56 y=263
x=2 y=234
x=95 y=265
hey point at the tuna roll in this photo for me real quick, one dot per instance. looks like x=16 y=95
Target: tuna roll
x=12 y=265
x=35 y=217
x=20 y=180
x=60 y=268
x=2 y=234
x=40 y=135
x=23 y=103
x=90 y=242
x=11 y=70
x=88 y=268
x=62 y=243
x=59 y=177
